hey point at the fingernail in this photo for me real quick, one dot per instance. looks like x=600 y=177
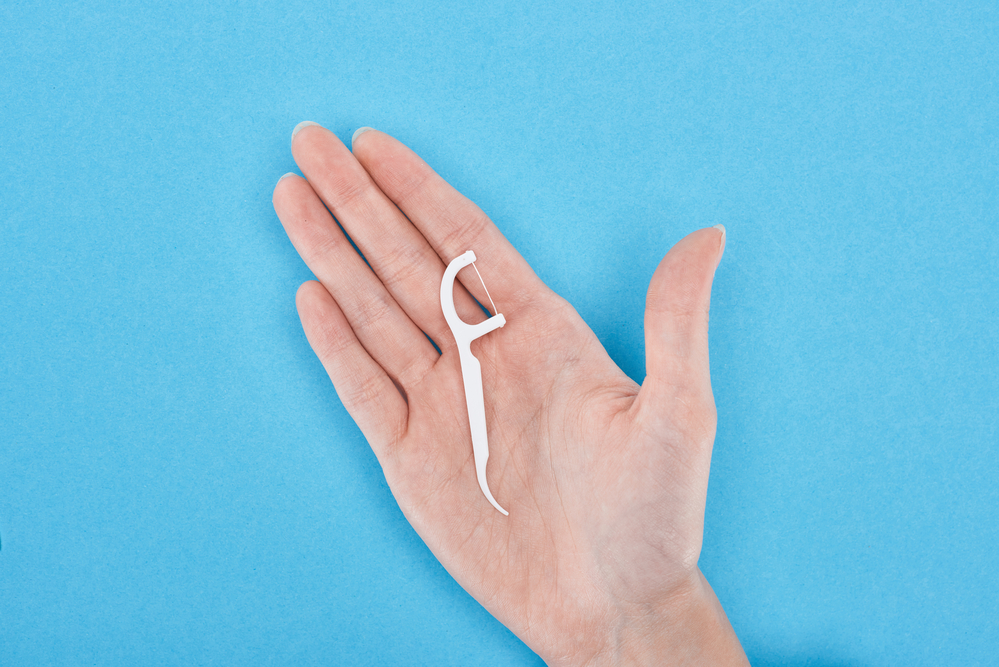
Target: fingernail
x=358 y=132
x=290 y=173
x=721 y=228
x=298 y=128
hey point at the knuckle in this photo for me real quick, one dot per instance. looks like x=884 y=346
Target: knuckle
x=401 y=264
x=685 y=310
x=349 y=192
x=371 y=312
x=326 y=242
x=406 y=188
x=461 y=233
x=334 y=340
x=415 y=371
x=362 y=390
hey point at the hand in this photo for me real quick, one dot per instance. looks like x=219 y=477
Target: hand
x=605 y=480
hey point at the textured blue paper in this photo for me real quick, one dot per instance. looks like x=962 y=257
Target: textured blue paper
x=179 y=483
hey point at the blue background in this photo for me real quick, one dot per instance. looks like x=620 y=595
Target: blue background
x=179 y=483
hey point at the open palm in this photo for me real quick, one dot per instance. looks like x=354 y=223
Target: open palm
x=605 y=480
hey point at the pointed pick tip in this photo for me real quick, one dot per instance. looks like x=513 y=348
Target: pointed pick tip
x=492 y=501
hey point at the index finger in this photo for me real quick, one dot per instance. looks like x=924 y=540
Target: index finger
x=448 y=220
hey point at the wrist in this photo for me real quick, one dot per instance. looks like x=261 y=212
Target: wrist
x=690 y=628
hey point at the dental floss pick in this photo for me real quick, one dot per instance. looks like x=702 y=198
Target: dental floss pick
x=471 y=371
x=493 y=303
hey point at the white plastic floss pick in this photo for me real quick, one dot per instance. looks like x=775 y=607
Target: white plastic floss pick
x=471 y=371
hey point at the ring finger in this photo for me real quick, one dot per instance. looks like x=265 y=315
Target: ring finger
x=381 y=325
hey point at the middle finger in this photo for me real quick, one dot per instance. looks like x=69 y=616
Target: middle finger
x=398 y=253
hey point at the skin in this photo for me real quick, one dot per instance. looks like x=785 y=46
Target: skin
x=605 y=480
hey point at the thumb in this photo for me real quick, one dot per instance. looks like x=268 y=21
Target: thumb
x=676 y=335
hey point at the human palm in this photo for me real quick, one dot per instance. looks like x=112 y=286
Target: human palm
x=605 y=480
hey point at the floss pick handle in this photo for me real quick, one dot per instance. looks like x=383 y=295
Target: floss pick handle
x=471 y=371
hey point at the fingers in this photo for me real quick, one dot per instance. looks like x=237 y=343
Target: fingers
x=678 y=378
x=365 y=389
x=451 y=223
x=380 y=325
x=398 y=253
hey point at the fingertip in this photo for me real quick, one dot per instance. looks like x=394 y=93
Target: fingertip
x=277 y=188
x=284 y=178
x=301 y=126
x=704 y=246
x=358 y=132
x=700 y=248
x=681 y=284
x=306 y=292
x=724 y=235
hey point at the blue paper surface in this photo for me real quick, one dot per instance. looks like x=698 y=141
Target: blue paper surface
x=179 y=483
